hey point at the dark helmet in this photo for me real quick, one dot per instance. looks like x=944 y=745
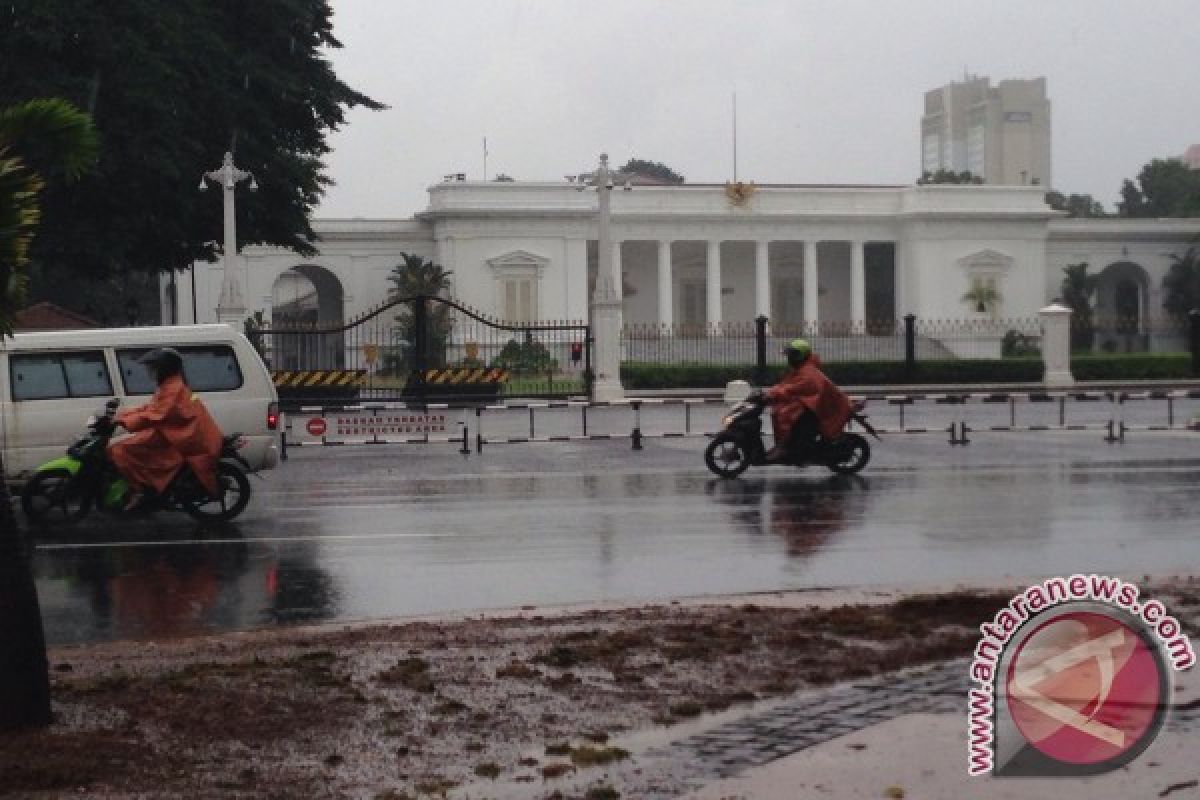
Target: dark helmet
x=797 y=351
x=163 y=362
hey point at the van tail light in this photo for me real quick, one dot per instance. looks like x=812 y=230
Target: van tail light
x=273 y=416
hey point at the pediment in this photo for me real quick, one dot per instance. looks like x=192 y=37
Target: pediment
x=518 y=259
x=986 y=259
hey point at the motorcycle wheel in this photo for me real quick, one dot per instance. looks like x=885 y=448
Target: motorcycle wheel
x=234 y=497
x=50 y=497
x=727 y=456
x=850 y=454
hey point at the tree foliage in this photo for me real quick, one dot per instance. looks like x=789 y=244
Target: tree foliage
x=1164 y=188
x=1076 y=205
x=419 y=277
x=1078 y=289
x=171 y=87
x=948 y=176
x=43 y=142
x=1181 y=285
x=652 y=169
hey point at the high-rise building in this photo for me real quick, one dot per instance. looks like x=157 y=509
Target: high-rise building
x=1000 y=133
x=1191 y=156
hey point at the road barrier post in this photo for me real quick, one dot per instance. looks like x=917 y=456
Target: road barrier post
x=637 y=425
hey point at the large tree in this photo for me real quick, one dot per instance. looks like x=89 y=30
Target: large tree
x=1076 y=205
x=1078 y=290
x=1181 y=285
x=41 y=142
x=652 y=169
x=1164 y=188
x=171 y=87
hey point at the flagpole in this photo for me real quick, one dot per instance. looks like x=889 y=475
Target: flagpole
x=735 y=171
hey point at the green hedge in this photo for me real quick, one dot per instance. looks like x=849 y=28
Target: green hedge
x=1132 y=367
x=881 y=373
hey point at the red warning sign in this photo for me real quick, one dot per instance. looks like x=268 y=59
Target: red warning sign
x=316 y=426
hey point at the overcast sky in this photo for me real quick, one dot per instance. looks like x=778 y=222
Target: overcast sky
x=827 y=92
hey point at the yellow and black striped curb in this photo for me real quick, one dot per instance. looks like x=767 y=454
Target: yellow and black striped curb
x=303 y=378
x=465 y=375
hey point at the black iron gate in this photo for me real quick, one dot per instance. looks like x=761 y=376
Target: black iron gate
x=425 y=349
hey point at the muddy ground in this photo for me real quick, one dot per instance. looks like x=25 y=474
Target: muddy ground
x=525 y=705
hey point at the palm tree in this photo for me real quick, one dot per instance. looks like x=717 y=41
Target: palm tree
x=1181 y=286
x=418 y=277
x=982 y=297
x=1077 y=290
x=39 y=140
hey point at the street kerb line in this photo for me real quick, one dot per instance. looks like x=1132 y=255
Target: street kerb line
x=248 y=539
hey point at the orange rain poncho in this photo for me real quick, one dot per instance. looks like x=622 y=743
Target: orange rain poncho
x=172 y=429
x=805 y=388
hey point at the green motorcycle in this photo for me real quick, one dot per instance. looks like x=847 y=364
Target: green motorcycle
x=65 y=489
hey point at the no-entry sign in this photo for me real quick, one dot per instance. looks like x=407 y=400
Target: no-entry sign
x=316 y=426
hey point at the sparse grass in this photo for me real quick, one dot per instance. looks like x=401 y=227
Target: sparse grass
x=411 y=673
x=597 y=756
x=518 y=670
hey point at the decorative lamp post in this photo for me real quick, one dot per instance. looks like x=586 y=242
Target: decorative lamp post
x=231 y=307
x=606 y=300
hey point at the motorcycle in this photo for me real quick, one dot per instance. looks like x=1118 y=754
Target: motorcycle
x=67 y=488
x=739 y=445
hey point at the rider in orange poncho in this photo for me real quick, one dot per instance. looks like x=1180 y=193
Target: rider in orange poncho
x=174 y=428
x=805 y=403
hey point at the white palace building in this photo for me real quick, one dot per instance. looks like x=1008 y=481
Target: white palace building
x=703 y=254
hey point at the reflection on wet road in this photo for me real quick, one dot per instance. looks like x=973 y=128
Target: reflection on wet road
x=347 y=534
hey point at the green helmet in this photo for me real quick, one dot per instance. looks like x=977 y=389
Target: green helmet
x=797 y=351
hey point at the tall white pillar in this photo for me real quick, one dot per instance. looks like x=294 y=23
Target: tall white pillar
x=713 y=283
x=810 y=282
x=618 y=267
x=666 y=294
x=858 y=291
x=606 y=303
x=762 y=279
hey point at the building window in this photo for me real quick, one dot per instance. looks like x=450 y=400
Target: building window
x=518 y=299
x=517 y=277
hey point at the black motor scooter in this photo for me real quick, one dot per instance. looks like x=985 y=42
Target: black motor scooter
x=739 y=444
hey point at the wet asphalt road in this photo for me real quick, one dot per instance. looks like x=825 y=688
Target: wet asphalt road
x=375 y=532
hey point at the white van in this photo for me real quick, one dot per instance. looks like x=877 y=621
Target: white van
x=51 y=382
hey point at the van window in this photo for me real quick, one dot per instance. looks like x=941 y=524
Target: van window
x=47 y=376
x=207 y=368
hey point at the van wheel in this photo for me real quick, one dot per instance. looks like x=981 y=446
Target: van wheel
x=52 y=496
x=234 y=496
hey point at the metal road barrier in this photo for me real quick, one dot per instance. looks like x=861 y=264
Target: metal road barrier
x=544 y=421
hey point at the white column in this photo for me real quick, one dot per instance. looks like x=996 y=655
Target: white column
x=1056 y=345
x=713 y=283
x=858 y=291
x=606 y=304
x=666 y=295
x=762 y=279
x=810 y=282
x=618 y=276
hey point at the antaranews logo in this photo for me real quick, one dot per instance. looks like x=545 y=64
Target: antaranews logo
x=1072 y=677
